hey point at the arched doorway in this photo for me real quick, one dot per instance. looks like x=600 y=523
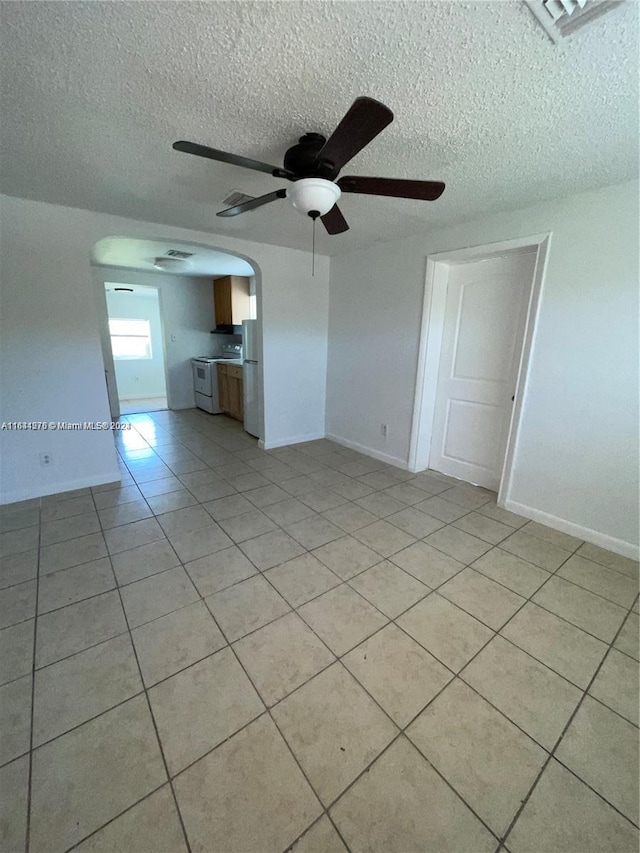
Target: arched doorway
x=129 y=270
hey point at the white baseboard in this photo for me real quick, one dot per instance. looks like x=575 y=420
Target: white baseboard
x=44 y=489
x=369 y=451
x=610 y=543
x=144 y=397
x=284 y=442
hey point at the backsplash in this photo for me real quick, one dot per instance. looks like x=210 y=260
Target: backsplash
x=220 y=341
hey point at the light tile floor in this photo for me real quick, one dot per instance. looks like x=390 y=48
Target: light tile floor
x=140 y=405
x=249 y=652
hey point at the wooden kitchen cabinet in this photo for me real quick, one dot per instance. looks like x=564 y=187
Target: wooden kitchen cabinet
x=235 y=397
x=230 y=390
x=223 y=387
x=231 y=300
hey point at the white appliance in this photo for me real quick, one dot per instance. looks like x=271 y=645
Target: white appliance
x=205 y=377
x=205 y=384
x=251 y=377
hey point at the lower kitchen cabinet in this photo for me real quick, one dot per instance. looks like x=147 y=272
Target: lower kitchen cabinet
x=230 y=392
x=223 y=388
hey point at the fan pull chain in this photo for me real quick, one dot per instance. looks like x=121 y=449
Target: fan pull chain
x=313 y=249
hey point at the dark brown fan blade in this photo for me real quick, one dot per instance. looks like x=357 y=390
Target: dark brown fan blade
x=234 y=159
x=251 y=205
x=334 y=221
x=424 y=190
x=362 y=122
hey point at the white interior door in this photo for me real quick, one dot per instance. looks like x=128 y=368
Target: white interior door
x=484 y=323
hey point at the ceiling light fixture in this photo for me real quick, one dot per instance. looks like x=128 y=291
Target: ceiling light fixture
x=313 y=196
x=164 y=263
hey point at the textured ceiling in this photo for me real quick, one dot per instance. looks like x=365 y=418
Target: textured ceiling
x=93 y=95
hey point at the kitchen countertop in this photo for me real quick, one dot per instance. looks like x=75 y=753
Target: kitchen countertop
x=229 y=361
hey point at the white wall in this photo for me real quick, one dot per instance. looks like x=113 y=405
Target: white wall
x=50 y=361
x=187 y=312
x=139 y=377
x=576 y=462
x=50 y=355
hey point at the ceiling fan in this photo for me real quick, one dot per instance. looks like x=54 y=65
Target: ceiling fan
x=314 y=163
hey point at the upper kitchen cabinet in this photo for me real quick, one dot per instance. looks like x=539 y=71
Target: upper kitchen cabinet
x=231 y=300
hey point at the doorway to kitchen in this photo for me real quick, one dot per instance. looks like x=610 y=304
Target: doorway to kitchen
x=190 y=279
x=477 y=330
x=137 y=346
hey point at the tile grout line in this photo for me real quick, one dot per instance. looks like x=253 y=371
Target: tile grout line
x=33 y=689
x=498 y=633
x=77 y=726
x=584 y=693
x=559 y=741
x=153 y=720
x=261 y=573
x=115 y=817
x=268 y=712
x=457 y=675
x=528 y=600
x=401 y=730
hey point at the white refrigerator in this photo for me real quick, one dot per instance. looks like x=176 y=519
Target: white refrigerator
x=251 y=377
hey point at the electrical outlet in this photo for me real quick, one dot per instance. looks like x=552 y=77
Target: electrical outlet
x=383 y=430
x=46 y=459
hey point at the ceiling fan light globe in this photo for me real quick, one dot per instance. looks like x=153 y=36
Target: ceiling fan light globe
x=313 y=194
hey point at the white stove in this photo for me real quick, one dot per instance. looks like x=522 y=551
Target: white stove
x=205 y=377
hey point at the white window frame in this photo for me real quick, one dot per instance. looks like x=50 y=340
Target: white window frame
x=146 y=337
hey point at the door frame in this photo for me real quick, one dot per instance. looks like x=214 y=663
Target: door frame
x=430 y=345
x=107 y=349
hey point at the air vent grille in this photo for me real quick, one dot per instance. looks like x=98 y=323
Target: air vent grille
x=561 y=18
x=176 y=253
x=236 y=197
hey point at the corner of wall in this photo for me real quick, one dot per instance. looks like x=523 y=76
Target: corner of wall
x=610 y=543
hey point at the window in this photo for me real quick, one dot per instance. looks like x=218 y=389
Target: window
x=130 y=338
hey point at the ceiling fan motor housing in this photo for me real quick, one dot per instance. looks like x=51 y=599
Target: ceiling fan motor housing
x=313 y=196
x=301 y=159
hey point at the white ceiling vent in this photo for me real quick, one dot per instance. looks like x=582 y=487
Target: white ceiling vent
x=236 y=197
x=176 y=253
x=561 y=18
